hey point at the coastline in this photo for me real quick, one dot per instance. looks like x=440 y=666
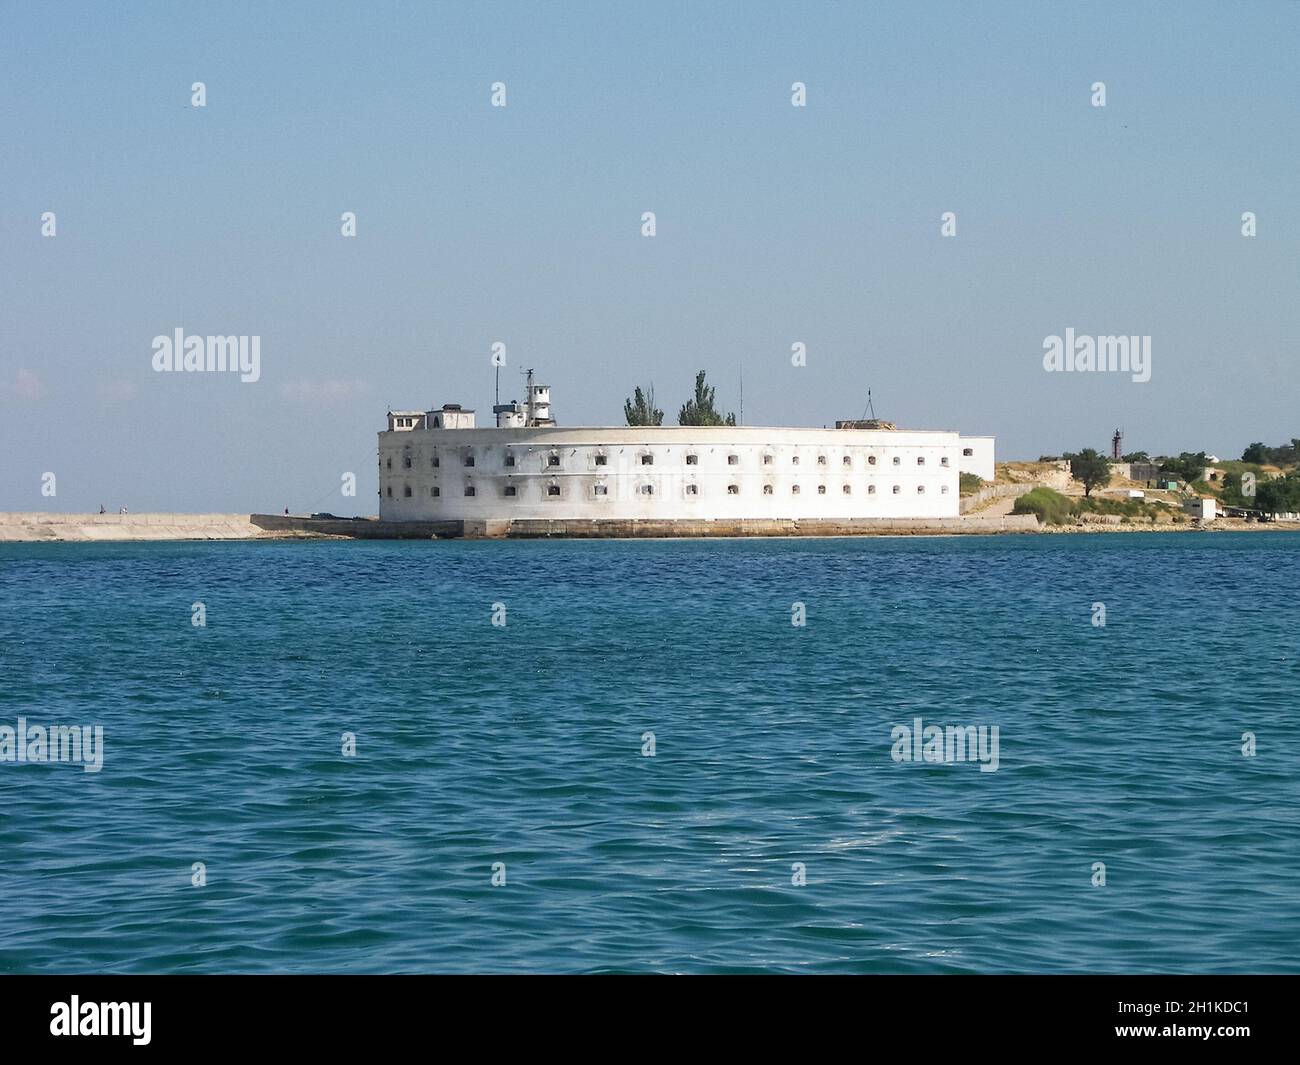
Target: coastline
x=49 y=527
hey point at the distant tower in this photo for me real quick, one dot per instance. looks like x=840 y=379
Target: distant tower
x=1117 y=445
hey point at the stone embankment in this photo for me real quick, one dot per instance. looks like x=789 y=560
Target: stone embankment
x=36 y=527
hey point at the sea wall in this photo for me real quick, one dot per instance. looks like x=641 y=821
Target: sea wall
x=35 y=527
x=637 y=528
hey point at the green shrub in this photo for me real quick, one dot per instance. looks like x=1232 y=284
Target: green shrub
x=1048 y=505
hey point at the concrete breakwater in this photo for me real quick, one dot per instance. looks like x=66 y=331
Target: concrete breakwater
x=49 y=527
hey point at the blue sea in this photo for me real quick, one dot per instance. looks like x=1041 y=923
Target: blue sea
x=771 y=829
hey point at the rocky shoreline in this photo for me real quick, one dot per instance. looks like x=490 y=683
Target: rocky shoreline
x=38 y=527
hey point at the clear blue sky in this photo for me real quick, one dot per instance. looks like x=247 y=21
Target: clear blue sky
x=775 y=225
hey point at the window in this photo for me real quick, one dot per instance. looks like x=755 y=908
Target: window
x=647 y=489
x=794 y=460
x=897 y=489
x=897 y=461
x=647 y=460
x=943 y=490
x=767 y=460
x=469 y=460
x=920 y=460
x=920 y=489
x=692 y=489
x=767 y=489
x=389 y=463
x=510 y=491
x=600 y=489
x=390 y=491
x=967 y=452
x=510 y=459
x=406 y=491
x=821 y=460
x=602 y=460
x=794 y=489
x=848 y=489
x=733 y=489
x=848 y=461
x=733 y=460
x=692 y=460
x=871 y=460
x=435 y=491
x=469 y=490
x=943 y=461
x=552 y=490
x=406 y=461
x=434 y=462
x=552 y=460
x=821 y=489
x=871 y=489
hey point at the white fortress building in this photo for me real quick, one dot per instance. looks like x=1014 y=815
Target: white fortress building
x=438 y=465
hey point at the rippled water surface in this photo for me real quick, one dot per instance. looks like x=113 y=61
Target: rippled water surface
x=523 y=745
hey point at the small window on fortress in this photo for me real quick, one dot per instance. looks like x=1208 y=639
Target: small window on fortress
x=406 y=491
x=435 y=491
x=406 y=462
x=647 y=460
x=469 y=460
x=848 y=489
x=898 y=460
x=647 y=489
x=920 y=489
x=943 y=490
x=794 y=489
x=897 y=489
x=435 y=462
x=733 y=460
x=602 y=460
x=390 y=491
x=552 y=490
x=871 y=460
x=848 y=461
x=821 y=489
x=692 y=489
x=821 y=460
x=943 y=461
x=510 y=491
x=600 y=489
x=767 y=489
x=469 y=490
x=692 y=460
x=794 y=460
x=389 y=463
x=767 y=460
x=968 y=451
x=733 y=489
x=871 y=489
x=510 y=460
x=920 y=460
x=552 y=460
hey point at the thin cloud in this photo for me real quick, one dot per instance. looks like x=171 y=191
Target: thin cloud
x=323 y=392
x=118 y=391
x=25 y=386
